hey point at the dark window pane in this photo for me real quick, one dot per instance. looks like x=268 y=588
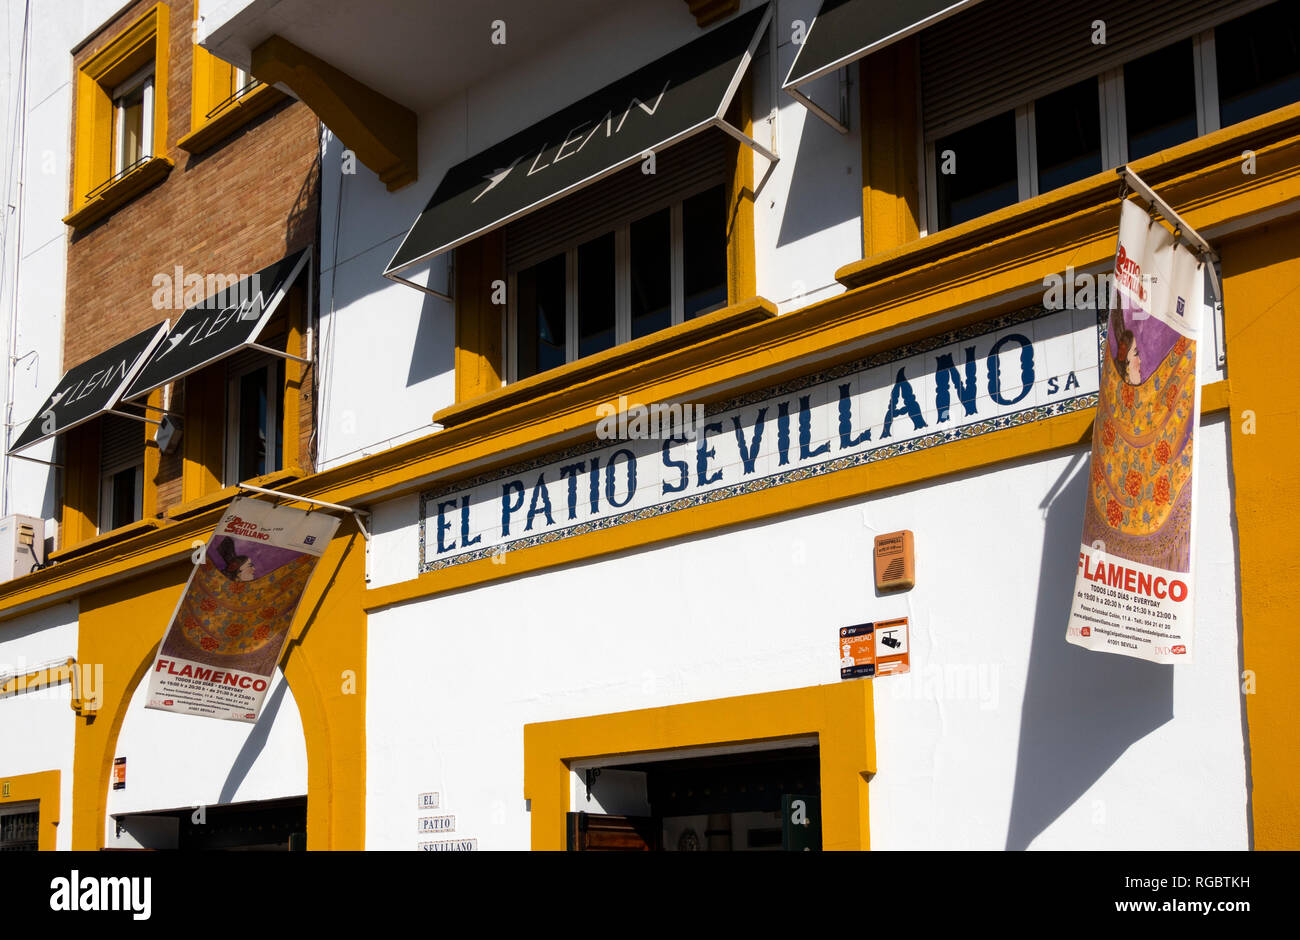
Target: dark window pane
x=1258 y=59
x=1160 y=99
x=652 y=282
x=540 y=315
x=596 y=295
x=704 y=254
x=123 y=496
x=1067 y=128
x=253 y=414
x=983 y=160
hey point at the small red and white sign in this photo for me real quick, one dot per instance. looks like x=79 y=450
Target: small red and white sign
x=880 y=648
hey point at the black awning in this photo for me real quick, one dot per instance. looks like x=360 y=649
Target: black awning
x=229 y=320
x=670 y=99
x=847 y=30
x=92 y=388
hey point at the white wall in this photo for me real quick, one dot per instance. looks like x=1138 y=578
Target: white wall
x=175 y=761
x=1003 y=735
x=387 y=349
x=34 y=172
x=37 y=728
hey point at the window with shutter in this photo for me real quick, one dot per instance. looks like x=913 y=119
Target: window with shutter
x=254 y=415
x=1017 y=101
x=633 y=254
x=121 y=472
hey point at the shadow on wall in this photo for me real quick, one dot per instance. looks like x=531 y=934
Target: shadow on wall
x=432 y=351
x=254 y=744
x=1082 y=710
x=824 y=189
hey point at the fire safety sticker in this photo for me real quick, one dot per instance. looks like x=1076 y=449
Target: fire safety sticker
x=874 y=649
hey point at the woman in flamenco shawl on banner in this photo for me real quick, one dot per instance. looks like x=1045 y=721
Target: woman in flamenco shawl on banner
x=1139 y=497
x=239 y=605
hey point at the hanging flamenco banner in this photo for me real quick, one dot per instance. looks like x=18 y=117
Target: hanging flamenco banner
x=1134 y=588
x=225 y=639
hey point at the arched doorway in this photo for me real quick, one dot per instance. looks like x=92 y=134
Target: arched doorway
x=199 y=783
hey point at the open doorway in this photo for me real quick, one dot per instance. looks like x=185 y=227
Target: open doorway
x=765 y=799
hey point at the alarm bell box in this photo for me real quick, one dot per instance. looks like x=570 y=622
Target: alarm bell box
x=895 y=562
x=21 y=539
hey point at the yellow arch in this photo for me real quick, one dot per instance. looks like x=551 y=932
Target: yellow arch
x=121 y=626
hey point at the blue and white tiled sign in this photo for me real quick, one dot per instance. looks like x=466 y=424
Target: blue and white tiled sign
x=1015 y=369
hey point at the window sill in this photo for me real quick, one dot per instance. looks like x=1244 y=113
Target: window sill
x=239 y=112
x=104 y=539
x=1214 y=153
x=222 y=496
x=744 y=313
x=117 y=194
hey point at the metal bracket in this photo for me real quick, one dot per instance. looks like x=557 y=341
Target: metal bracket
x=839 y=123
x=279 y=352
x=135 y=417
x=451 y=283
x=1181 y=228
x=1192 y=237
x=748 y=141
x=57 y=466
x=360 y=515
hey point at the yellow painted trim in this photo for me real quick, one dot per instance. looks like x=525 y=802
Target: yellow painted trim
x=152 y=459
x=217 y=499
x=742 y=278
x=112 y=197
x=144 y=40
x=1261 y=284
x=891 y=198
x=479 y=323
x=211 y=84
x=292 y=414
x=105 y=539
x=203 y=442
x=208 y=132
x=43 y=787
x=381 y=132
x=79 y=500
x=539 y=390
x=121 y=625
x=842 y=716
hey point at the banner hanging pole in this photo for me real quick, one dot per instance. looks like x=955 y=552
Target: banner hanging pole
x=356 y=513
x=1181 y=228
x=1146 y=192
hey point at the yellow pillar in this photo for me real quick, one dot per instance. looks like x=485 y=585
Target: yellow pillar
x=1261 y=282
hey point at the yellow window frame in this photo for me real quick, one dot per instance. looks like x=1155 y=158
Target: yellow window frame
x=95 y=191
x=841 y=715
x=216 y=108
